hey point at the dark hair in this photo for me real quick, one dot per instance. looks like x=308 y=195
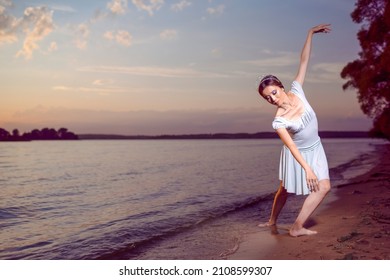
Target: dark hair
x=269 y=80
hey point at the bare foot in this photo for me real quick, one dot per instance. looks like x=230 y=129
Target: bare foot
x=267 y=224
x=301 y=232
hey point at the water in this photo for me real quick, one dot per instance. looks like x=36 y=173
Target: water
x=146 y=199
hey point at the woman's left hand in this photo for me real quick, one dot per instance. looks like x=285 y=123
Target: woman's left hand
x=312 y=181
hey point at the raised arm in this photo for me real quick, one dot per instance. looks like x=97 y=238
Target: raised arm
x=305 y=55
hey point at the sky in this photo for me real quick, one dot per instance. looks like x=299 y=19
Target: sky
x=155 y=67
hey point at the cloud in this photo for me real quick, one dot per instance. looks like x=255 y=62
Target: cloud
x=217 y=10
x=37 y=23
x=153 y=71
x=180 y=5
x=117 y=7
x=99 y=89
x=63 y=8
x=53 y=47
x=276 y=59
x=6 y=2
x=216 y=52
x=329 y=67
x=109 y=35
x=99 y=82
x=8 y=27
x=61 y=88
x=122 y=37
x=168 y=34
x=326 y=73
x=82 y=33
x=98 y=15
x=284 y=65
x=148 y=5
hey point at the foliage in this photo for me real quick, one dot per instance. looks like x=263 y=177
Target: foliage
x=370 y=74
x=36 y=134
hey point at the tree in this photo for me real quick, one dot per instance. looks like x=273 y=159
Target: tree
x=49 y=134
x=62 y=132
x=4 y=134
x=370 y=74
x=15 y=134
x=36 y=134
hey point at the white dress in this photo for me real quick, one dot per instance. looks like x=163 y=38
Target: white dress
x=304 y=133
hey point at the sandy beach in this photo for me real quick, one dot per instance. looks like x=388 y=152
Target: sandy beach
x=353 y=223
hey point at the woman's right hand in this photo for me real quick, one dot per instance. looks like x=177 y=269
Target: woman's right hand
x=312 y=180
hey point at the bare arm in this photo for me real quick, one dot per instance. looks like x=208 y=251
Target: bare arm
x=305 y=55
x=311 y=178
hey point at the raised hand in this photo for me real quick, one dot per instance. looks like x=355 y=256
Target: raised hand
x=322 y=28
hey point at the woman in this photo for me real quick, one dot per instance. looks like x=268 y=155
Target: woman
x=303 y=166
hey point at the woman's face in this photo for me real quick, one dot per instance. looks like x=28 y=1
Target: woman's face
x=273 y=94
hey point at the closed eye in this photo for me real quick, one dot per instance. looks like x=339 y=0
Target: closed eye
x=268 y=97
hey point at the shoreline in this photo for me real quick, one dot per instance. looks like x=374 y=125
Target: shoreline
x=353 y=223
x=219 y=136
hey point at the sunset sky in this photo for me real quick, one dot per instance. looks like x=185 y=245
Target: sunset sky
x=169 y=67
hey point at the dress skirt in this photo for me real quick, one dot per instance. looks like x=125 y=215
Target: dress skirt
x=291 y=173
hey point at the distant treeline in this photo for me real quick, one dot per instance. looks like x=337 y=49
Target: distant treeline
x=259 y=135
x=36 y=134
x=64 y=134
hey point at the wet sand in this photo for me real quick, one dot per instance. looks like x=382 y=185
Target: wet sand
x=352 y=223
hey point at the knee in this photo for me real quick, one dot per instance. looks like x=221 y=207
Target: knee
x=325 y=186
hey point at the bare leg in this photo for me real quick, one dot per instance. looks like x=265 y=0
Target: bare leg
x=279 y=202
x=310 y=204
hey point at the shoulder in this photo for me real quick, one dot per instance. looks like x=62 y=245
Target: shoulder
x=279 y=122
x=279 y=112
x=296 y=88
